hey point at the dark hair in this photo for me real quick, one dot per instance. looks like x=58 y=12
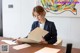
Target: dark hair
x=39 y=9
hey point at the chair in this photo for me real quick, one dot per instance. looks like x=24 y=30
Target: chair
x=59 y=42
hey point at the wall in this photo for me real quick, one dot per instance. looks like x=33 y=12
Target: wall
x=17 y=22
x=68 y=29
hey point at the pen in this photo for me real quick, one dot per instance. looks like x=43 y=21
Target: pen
x=15 y=39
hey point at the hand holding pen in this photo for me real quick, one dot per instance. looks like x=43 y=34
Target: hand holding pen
x=15 y=39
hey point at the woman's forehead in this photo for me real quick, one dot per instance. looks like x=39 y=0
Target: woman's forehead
x=35 y=13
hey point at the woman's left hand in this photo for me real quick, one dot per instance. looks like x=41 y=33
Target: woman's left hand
x=43 y=41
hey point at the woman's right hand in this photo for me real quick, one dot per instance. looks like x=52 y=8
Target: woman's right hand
x=14 y=39
x=17 y=40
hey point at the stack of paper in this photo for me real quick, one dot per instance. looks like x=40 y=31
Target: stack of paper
x=10 y=42
x=22 y=46
x=48 y=50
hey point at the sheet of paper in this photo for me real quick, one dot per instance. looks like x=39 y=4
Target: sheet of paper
x=22 y=46
x=48 y=50
x=27 y=40
x=37 y=34
x=10 y=42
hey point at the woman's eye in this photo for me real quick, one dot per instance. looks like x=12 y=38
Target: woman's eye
x=37 y=15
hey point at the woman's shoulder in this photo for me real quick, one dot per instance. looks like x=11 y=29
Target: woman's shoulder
x=50 y=22
x=35 y=22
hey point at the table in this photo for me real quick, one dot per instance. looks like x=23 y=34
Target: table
x=36 y=47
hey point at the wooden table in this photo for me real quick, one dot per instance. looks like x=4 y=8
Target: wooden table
x=35 y=47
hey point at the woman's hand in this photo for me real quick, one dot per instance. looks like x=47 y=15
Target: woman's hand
x=43 y=41
x=19 y=41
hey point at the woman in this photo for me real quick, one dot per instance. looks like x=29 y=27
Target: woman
x=39 y=13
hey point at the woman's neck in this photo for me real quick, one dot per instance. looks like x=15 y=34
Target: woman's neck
x=43 y=21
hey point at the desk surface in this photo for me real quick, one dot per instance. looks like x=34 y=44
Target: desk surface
x=35 y=47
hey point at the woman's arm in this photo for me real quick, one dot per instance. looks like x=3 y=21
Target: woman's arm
x=51 y=37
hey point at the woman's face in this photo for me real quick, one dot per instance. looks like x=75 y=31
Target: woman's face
x=38 y=17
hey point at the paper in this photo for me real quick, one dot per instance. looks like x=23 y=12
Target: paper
x=48 y=50
x=37 y=34
x=34 y=36
x=22 y=46
x=27 y=40
x=10 y=42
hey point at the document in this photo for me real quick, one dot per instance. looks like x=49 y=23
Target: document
x=27 y=40
x=48 y=50
x=10 y=42
x=35 y=36
x=22 y=46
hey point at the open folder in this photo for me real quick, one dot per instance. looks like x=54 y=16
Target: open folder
x=35 y=36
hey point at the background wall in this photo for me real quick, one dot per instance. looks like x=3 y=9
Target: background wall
x=17 y=22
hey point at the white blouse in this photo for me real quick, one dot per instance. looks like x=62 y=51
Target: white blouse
x=42 y=25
